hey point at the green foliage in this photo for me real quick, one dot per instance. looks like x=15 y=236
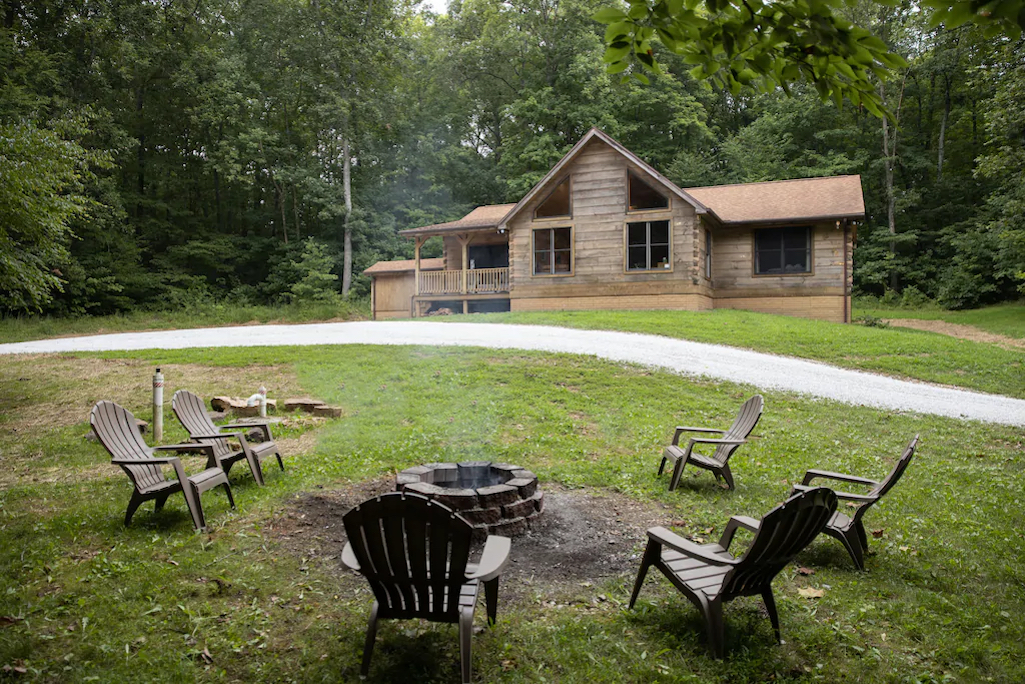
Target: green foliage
x=316 y=284
x=40 y=194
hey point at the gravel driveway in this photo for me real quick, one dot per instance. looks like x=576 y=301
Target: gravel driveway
x=765 y=371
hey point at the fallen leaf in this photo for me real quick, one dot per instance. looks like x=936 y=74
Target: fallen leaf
x=877 y=533
x=805 y=571
x=205 y=655
x=7 y=620
x=811 y=592
x=172 y=562
x=508 y=665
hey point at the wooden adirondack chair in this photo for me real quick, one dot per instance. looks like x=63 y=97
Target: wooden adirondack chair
x=850 y=529
x=119 y=434
x=718 y=462
x=709 y=575
x=415 y=552
x=192 y=414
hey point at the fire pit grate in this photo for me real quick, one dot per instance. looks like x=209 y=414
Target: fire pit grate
x=496 y=498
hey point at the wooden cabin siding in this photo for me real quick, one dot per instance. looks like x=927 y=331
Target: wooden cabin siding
x=598 y=278
x=392 y=295
x=819 y=294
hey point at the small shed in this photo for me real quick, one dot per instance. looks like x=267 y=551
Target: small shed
x=393 y=284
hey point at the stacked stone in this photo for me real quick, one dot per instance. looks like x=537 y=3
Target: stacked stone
x=506 y=508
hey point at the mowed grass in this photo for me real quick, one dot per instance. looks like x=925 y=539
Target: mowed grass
x=20 y=329
x=899 y=352
x=1006 y=319
x=82 y=598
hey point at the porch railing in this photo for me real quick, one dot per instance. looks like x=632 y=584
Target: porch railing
x=478 y=281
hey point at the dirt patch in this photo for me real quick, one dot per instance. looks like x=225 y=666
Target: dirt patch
x=582 y=537
x=963 y=332
x=64 y=389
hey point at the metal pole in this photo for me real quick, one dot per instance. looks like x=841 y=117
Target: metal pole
x=158 y=406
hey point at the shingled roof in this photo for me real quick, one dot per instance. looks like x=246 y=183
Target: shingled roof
x=481 y=218
x=802 y=199
x=405 y=265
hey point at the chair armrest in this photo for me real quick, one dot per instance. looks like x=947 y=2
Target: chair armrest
x=195 y=448
x=349 y=558
x=217 y=435
x=735 y=523
x=846 y=496
x=264 y=427
x=825 y=474
x=493 y=560
x=674 y=541
x=151 y=460
x=680 y=429
x=712 y=440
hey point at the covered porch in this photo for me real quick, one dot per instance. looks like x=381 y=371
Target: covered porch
x=476 y=256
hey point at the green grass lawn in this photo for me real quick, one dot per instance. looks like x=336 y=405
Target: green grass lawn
x=1006 y=319
x=262 y=597
x=201 y=316
x=899 y=352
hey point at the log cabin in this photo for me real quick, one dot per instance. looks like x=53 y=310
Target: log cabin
x=604 y=230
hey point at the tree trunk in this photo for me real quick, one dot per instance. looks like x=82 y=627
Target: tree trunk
x=943 y=128
x=888 y=150
x=347 y=239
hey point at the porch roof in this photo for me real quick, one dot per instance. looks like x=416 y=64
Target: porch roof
x=404 y=265
x=482 y=218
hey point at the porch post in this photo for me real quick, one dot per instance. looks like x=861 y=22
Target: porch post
x=464 y=242
x=418 y=242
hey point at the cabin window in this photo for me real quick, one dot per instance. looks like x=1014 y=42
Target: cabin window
x=553 y=249
x=647 y=246
x=782 y=251
x=708 y=254
x=643 y=196
x=557 y=203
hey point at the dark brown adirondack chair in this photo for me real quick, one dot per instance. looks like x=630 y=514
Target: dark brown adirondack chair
x=709 y=575
x=192 y=414
x=850 y=529
x=415 y=552
x=718 y=462
x=119 y=434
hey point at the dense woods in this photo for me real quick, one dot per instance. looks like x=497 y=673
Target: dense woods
x=158 y=154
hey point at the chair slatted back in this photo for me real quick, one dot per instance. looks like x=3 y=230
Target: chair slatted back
x=782 y=534
x=413 y=551
x=192 y=414
x=746 y=420
x=119 y=434
x=887 y=483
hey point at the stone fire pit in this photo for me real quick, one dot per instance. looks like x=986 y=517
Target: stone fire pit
x=496 y=498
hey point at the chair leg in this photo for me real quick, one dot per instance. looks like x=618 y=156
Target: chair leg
x=662 y=466
x=862 y=537
x=651 y=554
x=133 y=504
x=254 y=465
x=368 y=645
x=727 y=475
x=280 y=462
x=770 y=608
x=853 y=544
x=227 y=490
x=715 y=627
x=465 y=632
x=491 y=600
x=196 y=507
x=161 y=500
x=677 y=473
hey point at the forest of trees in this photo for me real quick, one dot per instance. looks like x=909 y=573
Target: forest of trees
x=155 y=153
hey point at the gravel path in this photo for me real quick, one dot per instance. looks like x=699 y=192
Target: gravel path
x=690 y=358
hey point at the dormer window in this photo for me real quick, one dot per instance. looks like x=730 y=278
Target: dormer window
x=557 y=204
x=643 y=196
